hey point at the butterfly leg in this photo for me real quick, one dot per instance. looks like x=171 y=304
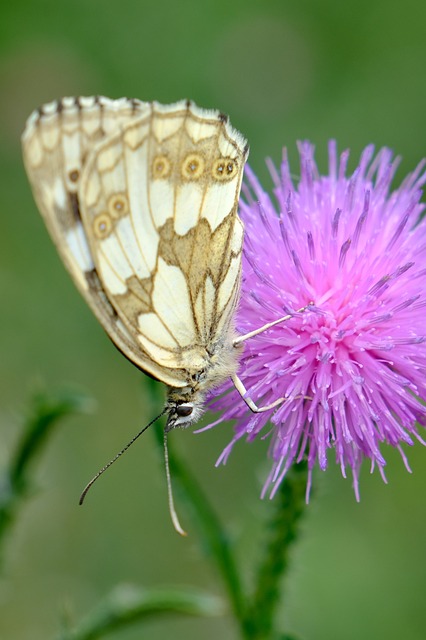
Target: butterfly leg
x=267 y=326
x=238 y=384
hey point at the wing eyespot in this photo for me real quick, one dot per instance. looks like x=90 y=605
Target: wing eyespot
x=161 y=167
x=224 y=169
x=74 y=175
x=102 y=226
x=193 y=166
x=118 y=205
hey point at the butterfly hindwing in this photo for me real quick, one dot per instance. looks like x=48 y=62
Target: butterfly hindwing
x=160 y=198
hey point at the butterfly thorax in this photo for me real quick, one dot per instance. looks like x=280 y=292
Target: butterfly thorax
x=186 y=404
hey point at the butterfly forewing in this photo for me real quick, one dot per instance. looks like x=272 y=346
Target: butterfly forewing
x=141 y=200
x=57 y=142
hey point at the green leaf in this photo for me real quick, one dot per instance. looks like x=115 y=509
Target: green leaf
x=128 y=604
x=44 y=414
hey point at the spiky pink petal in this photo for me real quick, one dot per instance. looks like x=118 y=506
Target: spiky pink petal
x=353 y=366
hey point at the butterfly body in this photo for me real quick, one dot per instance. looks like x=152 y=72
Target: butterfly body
x=141 y=200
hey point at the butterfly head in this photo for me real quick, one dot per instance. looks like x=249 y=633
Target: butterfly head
x=183 y=412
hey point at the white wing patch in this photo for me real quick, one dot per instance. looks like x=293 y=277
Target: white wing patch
x=154 y=332
x=79 y=248
x=111 y=252
x=226 y=288
x=189 y=199
x=113 y=282
x=172 y=303
x=237 y=237
x=218 y=202
x=161 y=200
x=205 y=307
x=128 y=238
x=163 y=128
x=59 y=193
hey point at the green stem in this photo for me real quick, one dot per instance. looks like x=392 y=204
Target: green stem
x=256 y=618
x=283 y=532
x=213 y=534
x=15 y=482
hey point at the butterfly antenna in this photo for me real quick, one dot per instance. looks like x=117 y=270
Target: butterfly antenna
x=120 y=453
x=172 y=509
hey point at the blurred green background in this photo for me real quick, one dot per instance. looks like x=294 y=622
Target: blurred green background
x=284 y=71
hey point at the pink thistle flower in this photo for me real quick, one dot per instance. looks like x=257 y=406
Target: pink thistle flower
x=353 y=367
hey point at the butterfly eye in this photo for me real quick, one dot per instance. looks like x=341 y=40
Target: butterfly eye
x=102 y=226
x=184 y=410
x=118 y=205
x=193 y=166
x=224 y=169
x=161 y=167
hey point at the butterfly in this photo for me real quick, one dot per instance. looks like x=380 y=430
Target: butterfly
x=141 y=201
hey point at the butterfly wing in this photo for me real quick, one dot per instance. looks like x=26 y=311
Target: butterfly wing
x=57 y=142
x=159 y=201
x=141 y=202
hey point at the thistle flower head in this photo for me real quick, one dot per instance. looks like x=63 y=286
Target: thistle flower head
x=352 y=367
